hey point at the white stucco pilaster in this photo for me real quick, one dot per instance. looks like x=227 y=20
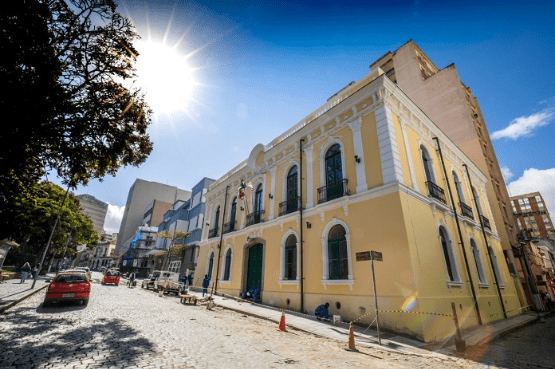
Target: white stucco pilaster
x=357 y=143
x=409 y=156
x=309 y=192
x=387 y=142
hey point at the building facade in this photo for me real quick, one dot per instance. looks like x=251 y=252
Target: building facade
x=141 y=194
x=185 y=216
x=450 y=104
x=367 y=171
x=95 y=210
x=103 y=254
x=532 y=216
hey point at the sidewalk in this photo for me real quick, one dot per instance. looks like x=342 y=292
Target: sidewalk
x=368 y=337
x=12 y=292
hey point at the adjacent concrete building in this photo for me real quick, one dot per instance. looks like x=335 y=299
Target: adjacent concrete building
x=141 y=194
x=95 y=210
x=532 y=216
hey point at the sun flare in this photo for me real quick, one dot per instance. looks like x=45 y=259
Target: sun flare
x=165 y=77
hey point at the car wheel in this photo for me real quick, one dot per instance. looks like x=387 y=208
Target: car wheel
x=85 y=302
x=46 y=304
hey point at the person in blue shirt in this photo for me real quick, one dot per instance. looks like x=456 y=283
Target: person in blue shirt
x=254 y=292
x=322 y=311
x=190 y=278
x=205 y=284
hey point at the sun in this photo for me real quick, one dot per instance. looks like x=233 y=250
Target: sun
x=165 y=76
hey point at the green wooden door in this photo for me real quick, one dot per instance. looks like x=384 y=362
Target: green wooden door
x=254 y=271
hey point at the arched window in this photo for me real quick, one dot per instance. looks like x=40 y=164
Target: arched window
x=292 y=195
x=428 y=165
x=258 y=199
x=448 y=256
x=291 y=258
x=210 y=265
x=478 y=262
x=338 y=259
x=334 y=173
x=495 y=266
x=458 y=187
x=217 y=218
x=477 y=198
x=233 y=214
x=227 y=267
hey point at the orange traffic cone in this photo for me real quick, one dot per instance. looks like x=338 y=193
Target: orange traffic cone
x=282 y=322
x=351 y=339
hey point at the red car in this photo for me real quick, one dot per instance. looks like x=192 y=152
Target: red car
x=68 y=286
x=111 y=276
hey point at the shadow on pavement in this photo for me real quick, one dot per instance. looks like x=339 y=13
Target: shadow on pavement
x=103 y=342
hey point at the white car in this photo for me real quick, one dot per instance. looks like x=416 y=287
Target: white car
x=85 y=270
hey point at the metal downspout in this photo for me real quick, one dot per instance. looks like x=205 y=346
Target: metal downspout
x=460 y=234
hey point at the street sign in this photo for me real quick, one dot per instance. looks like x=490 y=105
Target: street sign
x=363 y=256
x=377 y=256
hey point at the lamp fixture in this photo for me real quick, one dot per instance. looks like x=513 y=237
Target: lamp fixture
x=242 y=208
x=357 y=159
x=270 y=196
x=308 y=224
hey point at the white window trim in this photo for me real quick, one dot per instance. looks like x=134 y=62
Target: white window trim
x=210 y=253
x=325 y=265
x=476 y=254
x=432 y=170
x=329 y=143
x=282 y=279
x=496 y=268
x=285 y=174
x=454 y=266
x=222 y=272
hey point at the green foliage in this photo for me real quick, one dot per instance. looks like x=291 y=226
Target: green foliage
x=63 y=69
x=35 y=220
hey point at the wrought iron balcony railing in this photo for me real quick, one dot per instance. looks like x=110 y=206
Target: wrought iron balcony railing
x=229 y=227
x=289 y=206
x=485 y=222
x=436 y=192
x=466 y=210
x=256 y=217
x=332 y=191
x=213 y=232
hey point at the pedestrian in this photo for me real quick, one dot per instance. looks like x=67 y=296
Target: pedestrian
x=547 y=300
x=190 y=278
x=205 y=284
x=35 y=271
x=25 y=269
x=132 y=279
x=322 y=311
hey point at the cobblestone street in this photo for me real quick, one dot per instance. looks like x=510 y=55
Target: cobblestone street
x=135 y=328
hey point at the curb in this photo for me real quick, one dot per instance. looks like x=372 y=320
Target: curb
x=4 y=308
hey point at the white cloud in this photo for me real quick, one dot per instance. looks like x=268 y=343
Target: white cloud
x=523 y=126
x=536 y=180
x=507 y=174
x=113 y=218
x=242 y=111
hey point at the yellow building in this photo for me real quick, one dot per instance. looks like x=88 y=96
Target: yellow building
x=368 y=173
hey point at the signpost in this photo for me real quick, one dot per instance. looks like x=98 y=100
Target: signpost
x=372 y=255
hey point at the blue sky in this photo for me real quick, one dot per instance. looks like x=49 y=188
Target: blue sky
x=262 y=67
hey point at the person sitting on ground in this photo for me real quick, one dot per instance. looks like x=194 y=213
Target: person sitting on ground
x=322 y=311
x=253 y=293
x=205 y=284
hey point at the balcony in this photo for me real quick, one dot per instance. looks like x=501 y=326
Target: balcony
x=485 y=222
x=466 y=210
x=256 y=217
x=436 y=192
x=289 y=206
x=229 y=227
x=213 y=232
x=332 y=191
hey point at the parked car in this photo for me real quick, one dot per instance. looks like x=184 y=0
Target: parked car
x=111 y=276
x=168 y=282
x=86 y=270
x=68 y=286
x=148 y=283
